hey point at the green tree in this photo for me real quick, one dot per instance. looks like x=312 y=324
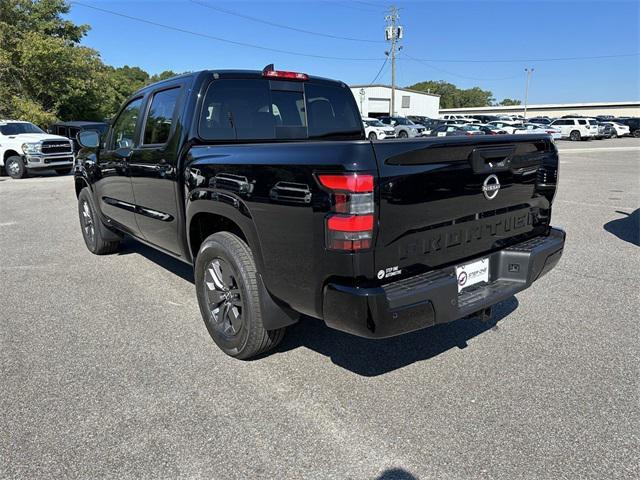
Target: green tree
x=509 y=101
x=453 y=97
x=45 y=74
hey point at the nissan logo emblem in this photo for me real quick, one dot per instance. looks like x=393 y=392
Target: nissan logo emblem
x=491 y=187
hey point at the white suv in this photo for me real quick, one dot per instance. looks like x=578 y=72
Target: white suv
x=374 y=129
x=25 y=148
x=576 y=128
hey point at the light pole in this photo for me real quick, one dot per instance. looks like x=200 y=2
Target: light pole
x=526 y=90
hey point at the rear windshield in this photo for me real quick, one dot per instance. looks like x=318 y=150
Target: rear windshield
x=260 y=110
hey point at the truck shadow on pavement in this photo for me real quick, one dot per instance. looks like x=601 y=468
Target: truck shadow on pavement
x=175 y=266
x=626 y=228
x=396 y=474
x=371 y=358
x=362 y=356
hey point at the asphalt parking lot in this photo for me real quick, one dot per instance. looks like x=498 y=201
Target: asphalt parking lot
x=107 y=370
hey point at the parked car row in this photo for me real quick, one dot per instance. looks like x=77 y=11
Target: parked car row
x=570 y=128
x=598 y=127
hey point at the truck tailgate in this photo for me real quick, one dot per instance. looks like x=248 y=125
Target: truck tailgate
x=446 y=200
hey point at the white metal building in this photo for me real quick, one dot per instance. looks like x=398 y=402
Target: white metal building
x=375 y=101
x=629 y=109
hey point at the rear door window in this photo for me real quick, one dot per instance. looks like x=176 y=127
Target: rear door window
x=582 y=122
x=160 y=116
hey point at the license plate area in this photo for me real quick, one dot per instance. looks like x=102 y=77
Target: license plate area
x=472 y=273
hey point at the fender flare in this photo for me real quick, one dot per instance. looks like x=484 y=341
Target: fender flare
x=275 y=313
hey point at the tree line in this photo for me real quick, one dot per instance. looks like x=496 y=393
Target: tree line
x=454 y=97
x=47 y=75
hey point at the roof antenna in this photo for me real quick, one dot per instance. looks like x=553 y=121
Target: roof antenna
x=268 y=68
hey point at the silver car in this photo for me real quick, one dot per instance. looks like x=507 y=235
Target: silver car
x=404 y=127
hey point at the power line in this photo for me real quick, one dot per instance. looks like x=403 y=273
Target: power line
x=279 y=25
x=423 y=62
x=524 y=60
x=379 y=71
x=349 y=5
x=369 y=4
x=219 y=39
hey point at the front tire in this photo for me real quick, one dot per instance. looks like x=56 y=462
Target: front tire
x=229 y=299
x=97 y=237
x=575 y=136
x=403 y=134
x=373 y=137
x=15 y=167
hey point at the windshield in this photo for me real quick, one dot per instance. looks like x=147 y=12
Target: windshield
x=18 y=128
x=470 y=127
x=374 y=123
x=403 y=121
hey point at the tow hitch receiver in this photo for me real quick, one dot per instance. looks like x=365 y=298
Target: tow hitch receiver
x=484 y=314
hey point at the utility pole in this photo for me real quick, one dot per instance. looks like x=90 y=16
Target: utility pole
x=393 y=33
x=526 y=90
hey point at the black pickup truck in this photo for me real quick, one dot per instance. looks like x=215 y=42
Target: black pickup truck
x=264 y=182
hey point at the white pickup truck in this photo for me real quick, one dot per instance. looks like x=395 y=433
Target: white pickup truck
x=25 y=148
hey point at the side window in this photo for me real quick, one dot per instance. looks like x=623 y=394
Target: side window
x=160 y=117
x=582 y=122
x=124 y=127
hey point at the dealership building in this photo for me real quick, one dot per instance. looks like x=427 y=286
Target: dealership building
x=375 y=101
x=617 y=109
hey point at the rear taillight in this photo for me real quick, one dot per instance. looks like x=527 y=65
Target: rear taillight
x=350 y=225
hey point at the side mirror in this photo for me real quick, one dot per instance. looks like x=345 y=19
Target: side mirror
x=88 y=138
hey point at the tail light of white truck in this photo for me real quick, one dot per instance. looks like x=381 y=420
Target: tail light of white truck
x=350 y=225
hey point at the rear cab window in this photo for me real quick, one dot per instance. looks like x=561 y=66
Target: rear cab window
x=246 y=110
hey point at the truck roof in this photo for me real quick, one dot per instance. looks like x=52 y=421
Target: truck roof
x=239 y=74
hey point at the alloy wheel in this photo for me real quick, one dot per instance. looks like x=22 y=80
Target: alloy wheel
x=13 y=168
x=223 y=296
x=87 y=222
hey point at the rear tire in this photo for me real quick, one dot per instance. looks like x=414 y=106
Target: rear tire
x=98 y=238
x=229 y=298
x=15 y=167
x=636 y=133
x=575 y=136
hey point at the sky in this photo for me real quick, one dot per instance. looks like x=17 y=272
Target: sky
x=465 y=42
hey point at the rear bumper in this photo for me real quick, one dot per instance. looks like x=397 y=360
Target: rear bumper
x=424 y=300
